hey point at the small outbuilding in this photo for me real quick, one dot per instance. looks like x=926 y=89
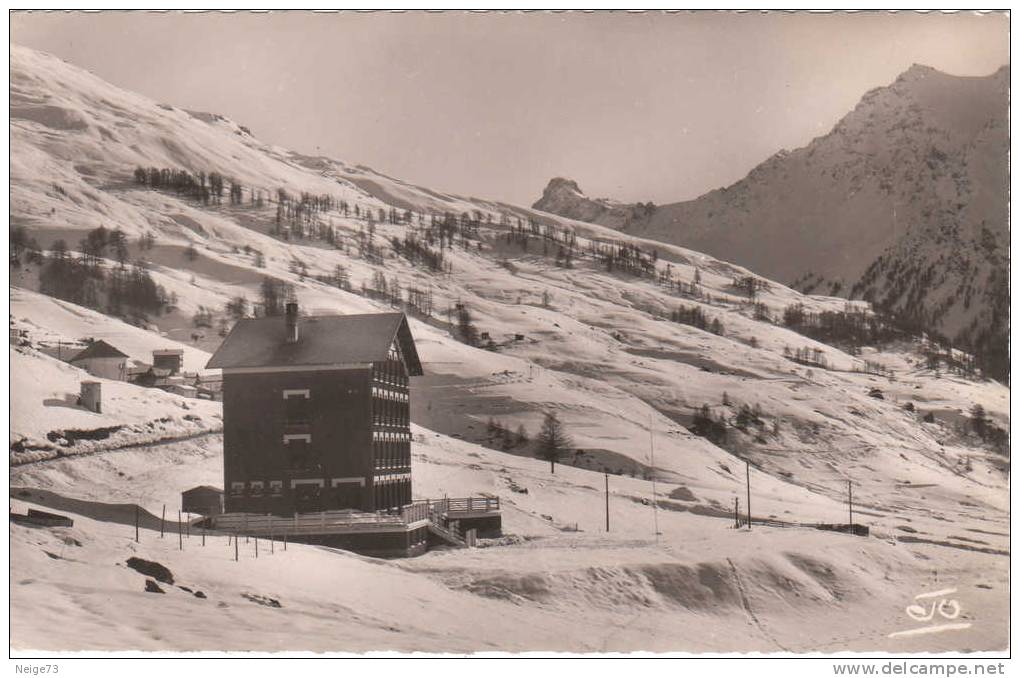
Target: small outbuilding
x=91 y=397
x=100 y=359
x=204 y=500
x=169 y=358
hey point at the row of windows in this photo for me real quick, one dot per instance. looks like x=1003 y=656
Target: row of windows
x=390 y=394
x=257 y=488
x=390 y=371
x=390 y=413
x=389 y=450
x=274 y=488
x=385 y=448
x=391 y=496
x=391 y=436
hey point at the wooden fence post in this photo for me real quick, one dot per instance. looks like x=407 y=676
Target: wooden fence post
x=850 y=491
x=748 y=495
x=607 y=502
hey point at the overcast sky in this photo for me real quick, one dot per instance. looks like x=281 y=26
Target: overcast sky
x=658 y=107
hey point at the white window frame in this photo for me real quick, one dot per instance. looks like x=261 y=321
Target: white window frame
x=337 y=482
x=318 y=482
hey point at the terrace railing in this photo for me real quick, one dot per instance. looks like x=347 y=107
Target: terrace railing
x=322 y=522
x=472 y=505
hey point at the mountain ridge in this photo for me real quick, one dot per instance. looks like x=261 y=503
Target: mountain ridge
x=919 y=161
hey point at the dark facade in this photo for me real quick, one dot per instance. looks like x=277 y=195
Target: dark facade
x=302 y=438
x=203 y=500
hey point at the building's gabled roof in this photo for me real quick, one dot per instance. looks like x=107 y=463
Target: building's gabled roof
x=322 y=340
x=98 y=349
x=202 y=488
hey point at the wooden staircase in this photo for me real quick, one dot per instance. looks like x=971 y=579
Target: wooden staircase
x=448 y=534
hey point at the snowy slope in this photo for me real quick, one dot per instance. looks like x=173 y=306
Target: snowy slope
x=702 y=586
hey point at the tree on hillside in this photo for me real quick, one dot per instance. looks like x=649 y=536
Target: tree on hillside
x=275 y=294
x=118 y=241
x=466 y=327
x=979 y=420
x=521 y=437
x=19 y=243
x=237 y=307
x=146 y=241
x=553 y=441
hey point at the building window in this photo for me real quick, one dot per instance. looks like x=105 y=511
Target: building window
x=276 y=487
x=299 y=452
x=236 y=489
x=256 y=488
x=297 y=409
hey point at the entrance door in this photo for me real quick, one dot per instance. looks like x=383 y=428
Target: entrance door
x=347 y=496
x=306 y=498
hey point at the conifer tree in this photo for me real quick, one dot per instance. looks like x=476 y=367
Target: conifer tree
x=553 y=441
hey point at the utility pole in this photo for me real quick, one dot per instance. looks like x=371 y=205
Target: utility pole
x=136 y=523
x=736 y=513
x=850 y=492
x=162 y=521
x=748 y=495
x=235 y=548
x=607 y=502
x=655 y=498
x=180 y=532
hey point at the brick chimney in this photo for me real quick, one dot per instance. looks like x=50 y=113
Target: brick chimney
x=292 y=322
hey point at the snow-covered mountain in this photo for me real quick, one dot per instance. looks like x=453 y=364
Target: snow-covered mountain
x=903 y=203
x=564 y=197
x=631 y=342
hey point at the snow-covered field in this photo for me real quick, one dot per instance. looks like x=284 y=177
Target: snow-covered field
x=597 y=348
x=702 y=586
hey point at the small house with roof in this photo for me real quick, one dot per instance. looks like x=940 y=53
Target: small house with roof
x=171 y=359
x=204 y=500
x=100 y=359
